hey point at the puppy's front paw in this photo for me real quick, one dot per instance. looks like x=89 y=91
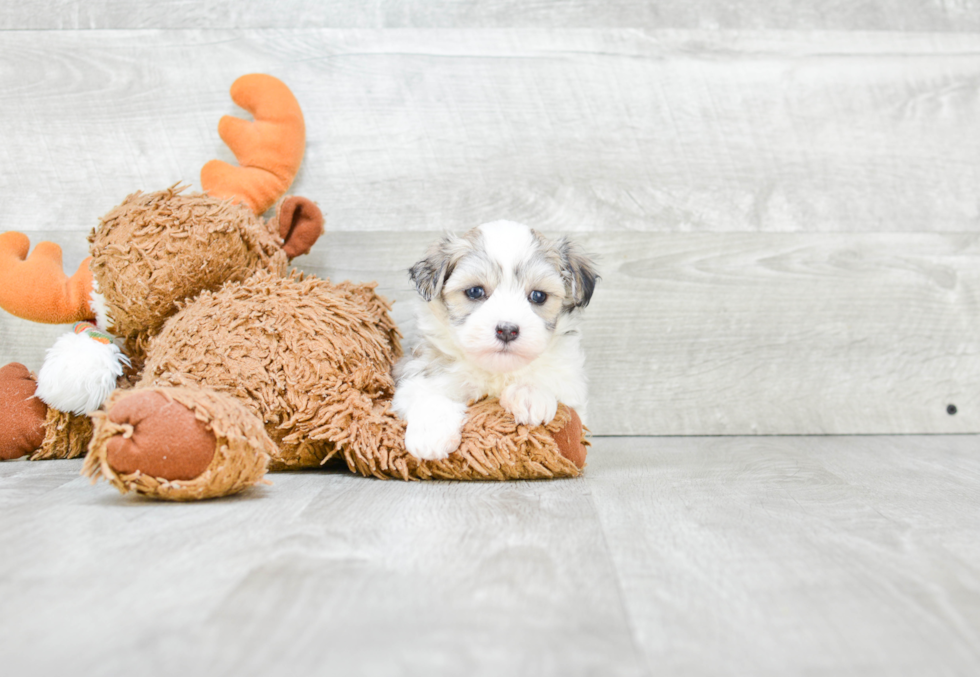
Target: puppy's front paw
x=434 y=433
x=529 y=405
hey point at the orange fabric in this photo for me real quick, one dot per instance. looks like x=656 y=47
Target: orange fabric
x=36 y=287
x=269 y=149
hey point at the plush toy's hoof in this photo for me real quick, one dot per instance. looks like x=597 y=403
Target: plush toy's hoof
x=21 y=414
x=165 y=439
x=177 y=444
x=569 y=441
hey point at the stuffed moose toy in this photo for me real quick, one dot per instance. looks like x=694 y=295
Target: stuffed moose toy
x=199 y=361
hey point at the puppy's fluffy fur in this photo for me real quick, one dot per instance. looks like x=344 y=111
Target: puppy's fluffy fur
x=500 y=320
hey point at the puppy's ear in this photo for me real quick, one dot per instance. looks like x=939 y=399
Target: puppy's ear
x=579 y=272
x=431 y=273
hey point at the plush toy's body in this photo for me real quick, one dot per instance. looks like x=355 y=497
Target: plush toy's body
x=231 y=363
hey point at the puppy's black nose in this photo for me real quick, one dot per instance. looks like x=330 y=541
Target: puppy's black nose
x=507 y=332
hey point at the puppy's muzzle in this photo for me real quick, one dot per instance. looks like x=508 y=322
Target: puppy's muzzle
x=507 y=332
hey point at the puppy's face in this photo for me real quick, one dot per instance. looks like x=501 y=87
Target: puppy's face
x=502 y=289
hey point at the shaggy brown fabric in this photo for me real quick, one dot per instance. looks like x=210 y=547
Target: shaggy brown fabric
x=167 y=440
x=22 y=423
x=494 y=447
x=295 y=350
x=66 y=435
x=158 y=249
x=312 y=360
x=241 y=451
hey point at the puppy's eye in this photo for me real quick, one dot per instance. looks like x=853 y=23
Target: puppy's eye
x=537 y=297
x=475 y=293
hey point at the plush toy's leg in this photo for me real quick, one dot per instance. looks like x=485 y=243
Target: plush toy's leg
x=178 y=444
x=371 y=439
x=21 y=413
x=66 y=435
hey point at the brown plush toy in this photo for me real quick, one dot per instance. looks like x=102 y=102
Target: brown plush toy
x=231 y=365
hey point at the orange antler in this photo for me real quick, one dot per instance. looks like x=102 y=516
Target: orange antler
x=269 y=149
x=37 y=288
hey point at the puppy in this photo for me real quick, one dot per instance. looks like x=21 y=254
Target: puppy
x=500 y=320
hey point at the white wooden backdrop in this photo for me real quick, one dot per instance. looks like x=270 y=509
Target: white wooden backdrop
x=899 y=15
x=787 y=219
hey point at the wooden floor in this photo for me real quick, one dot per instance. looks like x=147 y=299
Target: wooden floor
x=671 y=556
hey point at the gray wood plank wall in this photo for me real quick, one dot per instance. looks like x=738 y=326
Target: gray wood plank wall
x=787 y=219
x=895 y=15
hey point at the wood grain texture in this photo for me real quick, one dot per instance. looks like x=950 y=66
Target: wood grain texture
x=321 y=573
x=577 y=130
x=792 y=556
x=924 y=15
x=670 y=556
x=730 y=333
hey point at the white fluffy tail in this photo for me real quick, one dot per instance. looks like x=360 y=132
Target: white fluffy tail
x=80 y=370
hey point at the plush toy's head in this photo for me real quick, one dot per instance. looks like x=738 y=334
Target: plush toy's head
x=156 y=250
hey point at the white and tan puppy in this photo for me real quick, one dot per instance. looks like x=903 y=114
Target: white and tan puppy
x=500 y=320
